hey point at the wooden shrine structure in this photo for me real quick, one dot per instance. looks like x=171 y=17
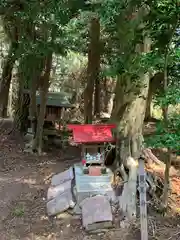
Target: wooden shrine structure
x=92 y=139
x=56 y=106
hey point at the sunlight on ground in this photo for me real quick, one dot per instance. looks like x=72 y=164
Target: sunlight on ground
x=30 y=181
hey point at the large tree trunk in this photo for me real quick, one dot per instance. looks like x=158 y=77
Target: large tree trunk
x=109 y=85
x=129 y=113
x=148 y=104
x=155 y=85
x=92 y=69
x=97 y=98
x=6 y=78
x=36 y=83
x=25 y=76
x=23 y=100
x=43 y=95
x=96 y=71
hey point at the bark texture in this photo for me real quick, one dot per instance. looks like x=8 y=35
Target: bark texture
x=6 y=78
x=37 y=145
x=108 y=95
x=155 y=85
x=128 y=114
x=92 y=69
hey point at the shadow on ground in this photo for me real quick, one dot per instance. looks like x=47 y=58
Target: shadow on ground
x=24 y=180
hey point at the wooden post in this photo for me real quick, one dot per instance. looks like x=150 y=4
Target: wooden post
x=143 y=203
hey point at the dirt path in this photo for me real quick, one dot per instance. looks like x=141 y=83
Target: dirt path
x=23 y=187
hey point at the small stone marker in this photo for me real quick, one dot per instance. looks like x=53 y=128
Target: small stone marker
x=62 y=177
x=60 y=203
x=96 y=213
x=59 y=195
x=143 y=203
x=54 y=191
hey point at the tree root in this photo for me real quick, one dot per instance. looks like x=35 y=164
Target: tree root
x=129 y=184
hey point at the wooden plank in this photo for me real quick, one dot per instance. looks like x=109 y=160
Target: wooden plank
x=143 y=202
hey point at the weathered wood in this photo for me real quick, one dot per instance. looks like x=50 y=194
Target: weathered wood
x=143 y=203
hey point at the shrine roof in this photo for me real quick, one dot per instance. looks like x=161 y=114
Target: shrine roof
x=56 y=99
x=92 y=133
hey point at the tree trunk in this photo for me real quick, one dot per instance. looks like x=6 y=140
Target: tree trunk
x=129 y=113
x=43 y=96
x=21 y=106
x=165 y=119
x=92 y=69
x=155 y=86
x=148 y=104
x=97 y=57
x=166 y=182
x=25 y=75
x=109 y=85
x=6 y=79
x=36 y=83
x=97 y=98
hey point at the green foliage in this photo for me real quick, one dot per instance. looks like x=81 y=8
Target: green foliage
x=36 y=19
x=162 y=22
x=67 y=70
x=121 y=35
x=171 y=97
x=167 y=134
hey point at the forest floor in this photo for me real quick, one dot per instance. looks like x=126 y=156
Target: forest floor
x=24 y=180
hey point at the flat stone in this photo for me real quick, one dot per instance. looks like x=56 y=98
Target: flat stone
x=62 y=177
x=60 y=203
x=54 y=191
x=96 y=213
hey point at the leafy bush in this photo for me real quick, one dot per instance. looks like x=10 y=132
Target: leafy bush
x=167 y=134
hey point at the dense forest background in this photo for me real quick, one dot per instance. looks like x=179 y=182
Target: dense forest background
x=117 y=61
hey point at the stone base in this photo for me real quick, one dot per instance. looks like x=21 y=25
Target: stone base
x=87 y=186
x=98 y=226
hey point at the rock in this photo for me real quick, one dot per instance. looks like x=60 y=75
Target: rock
x=96 y=213
x=60 y=203
x=77 y=210
x=54 y=191
x=62 y=177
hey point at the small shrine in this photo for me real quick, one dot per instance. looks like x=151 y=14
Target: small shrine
x=91 y=175
x=56 y=107
x=57 y=104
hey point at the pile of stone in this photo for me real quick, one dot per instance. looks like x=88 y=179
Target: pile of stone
x=96 y=211
x=59 y=195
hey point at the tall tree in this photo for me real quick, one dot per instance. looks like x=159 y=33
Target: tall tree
x=12 y=32
x=92 y=71
x=126 y=44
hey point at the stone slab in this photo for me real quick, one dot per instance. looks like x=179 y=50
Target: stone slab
x=62 y=177
x=60 y=203
x=96 y=210
x=54 y=191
